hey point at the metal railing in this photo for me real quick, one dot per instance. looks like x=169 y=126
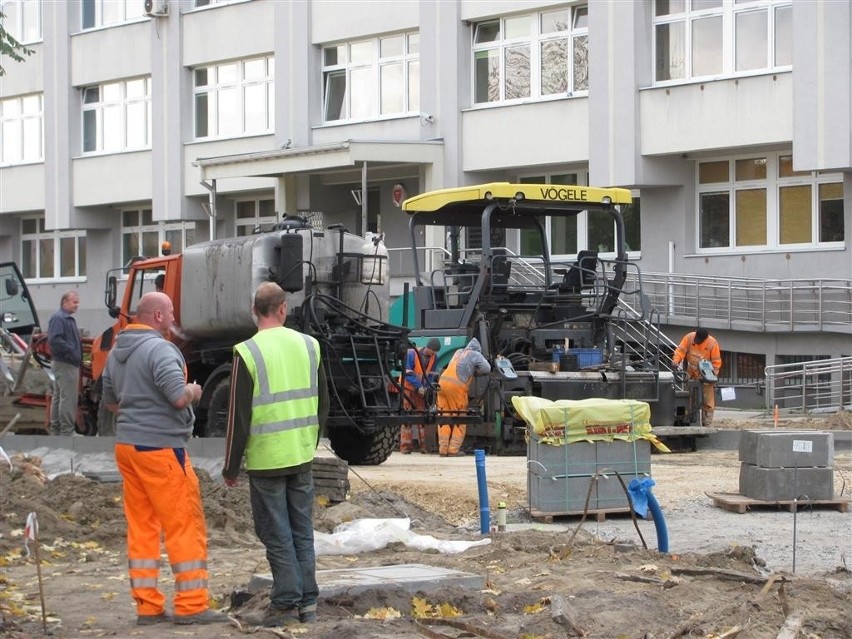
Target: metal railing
x=823 y=386
x=740 y=303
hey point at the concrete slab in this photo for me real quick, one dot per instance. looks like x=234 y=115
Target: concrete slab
x=780 y=449
x=408 y=577
x=779 y=484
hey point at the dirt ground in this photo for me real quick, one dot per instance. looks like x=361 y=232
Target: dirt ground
x=726 y=575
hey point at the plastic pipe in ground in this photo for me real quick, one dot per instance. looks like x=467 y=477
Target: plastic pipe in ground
x=484 y=510
x=659 y=523
x=643 y=501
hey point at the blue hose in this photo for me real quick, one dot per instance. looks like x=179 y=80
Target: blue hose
x=643 y=501
x=484 y=510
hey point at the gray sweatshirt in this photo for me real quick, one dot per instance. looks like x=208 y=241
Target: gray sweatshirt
x=144 y=375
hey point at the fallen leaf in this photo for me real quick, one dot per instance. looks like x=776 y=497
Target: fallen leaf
x=381 y=614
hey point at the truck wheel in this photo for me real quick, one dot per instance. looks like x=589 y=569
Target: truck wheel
x=106 y=421
x=364 y=450
x=217 y=409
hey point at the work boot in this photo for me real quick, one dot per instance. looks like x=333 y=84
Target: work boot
x=199 y=618
x=308 y=614
x=150 y=620
x=273 y=617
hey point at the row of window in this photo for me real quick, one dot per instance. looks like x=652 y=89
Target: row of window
x=50 y=255
x=520 y=57
x=762 y=202
x=23 y=18
x=706 y=38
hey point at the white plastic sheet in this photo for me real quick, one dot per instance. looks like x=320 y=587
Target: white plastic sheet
x=364 y=535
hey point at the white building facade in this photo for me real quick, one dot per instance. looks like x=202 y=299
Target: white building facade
x=731 y=120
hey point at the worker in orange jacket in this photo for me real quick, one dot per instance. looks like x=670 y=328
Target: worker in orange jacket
x=453 y=394
x=419 y=363
x=695 y=346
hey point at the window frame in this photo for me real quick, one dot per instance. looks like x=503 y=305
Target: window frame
x=55 y=237
x=729 y=12
x=163 y=228
x=534 y=40
x=258 y=221
x=100 y=107
x=772 y=184
x=97 y=7
x=372 y=68
x=18 y=30
x=20 y=120
x=213 y=90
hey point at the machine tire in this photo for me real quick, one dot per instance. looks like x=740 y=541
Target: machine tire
x=364 y=450
x=106 y=421
x=217 y=409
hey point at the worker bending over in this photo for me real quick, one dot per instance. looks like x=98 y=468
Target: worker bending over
x=453 y=394
x=696 y=346
x=419 y=363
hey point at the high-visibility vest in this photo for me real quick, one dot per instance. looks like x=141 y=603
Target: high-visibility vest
x=284 y=366
x=417 y=355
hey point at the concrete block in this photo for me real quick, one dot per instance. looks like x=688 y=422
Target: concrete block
x=560 y=494
x=783 y=484
x=576 y=459
x=610 y=492
x=406 y=577
x=624 y=457
x=773 y=449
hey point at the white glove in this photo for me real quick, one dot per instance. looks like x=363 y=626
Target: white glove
x=422 y=390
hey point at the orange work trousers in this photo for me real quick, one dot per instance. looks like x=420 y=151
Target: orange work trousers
x=162 y=497
x=412 y=400
x=452 y=398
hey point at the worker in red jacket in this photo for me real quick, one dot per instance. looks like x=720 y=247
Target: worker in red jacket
x=696 y=346
x=419 y=363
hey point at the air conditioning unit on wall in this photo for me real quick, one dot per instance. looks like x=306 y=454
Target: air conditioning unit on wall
x=156 y=8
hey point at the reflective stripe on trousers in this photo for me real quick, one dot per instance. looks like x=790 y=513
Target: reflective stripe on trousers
x=161 y=496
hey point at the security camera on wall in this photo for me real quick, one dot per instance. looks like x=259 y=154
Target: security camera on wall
x=156 y=8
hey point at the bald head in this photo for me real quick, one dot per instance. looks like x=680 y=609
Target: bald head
x=270 y=305
x=157 y=311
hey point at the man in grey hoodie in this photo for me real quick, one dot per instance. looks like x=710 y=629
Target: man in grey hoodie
x=145 y=384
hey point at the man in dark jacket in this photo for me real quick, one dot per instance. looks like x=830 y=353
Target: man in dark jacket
x=66 y=353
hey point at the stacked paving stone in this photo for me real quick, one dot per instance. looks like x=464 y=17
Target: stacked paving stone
x=559 y=477
x=782 y=466
x=331 y=478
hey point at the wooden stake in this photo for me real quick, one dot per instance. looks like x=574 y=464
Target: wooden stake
x=40 y=582
x=775 y=417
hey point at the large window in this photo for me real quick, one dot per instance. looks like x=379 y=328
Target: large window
x=141 y=235
x=705 y=38
x=103 y=13
x=51 y=255
x=742 y=368
x=235 y=98
x=568 y=235
x=254 y=215
x=117 y=116
x=22 y=19
x=371 y=78
x=21 y=129
x=531 y=56
x=760 y=201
